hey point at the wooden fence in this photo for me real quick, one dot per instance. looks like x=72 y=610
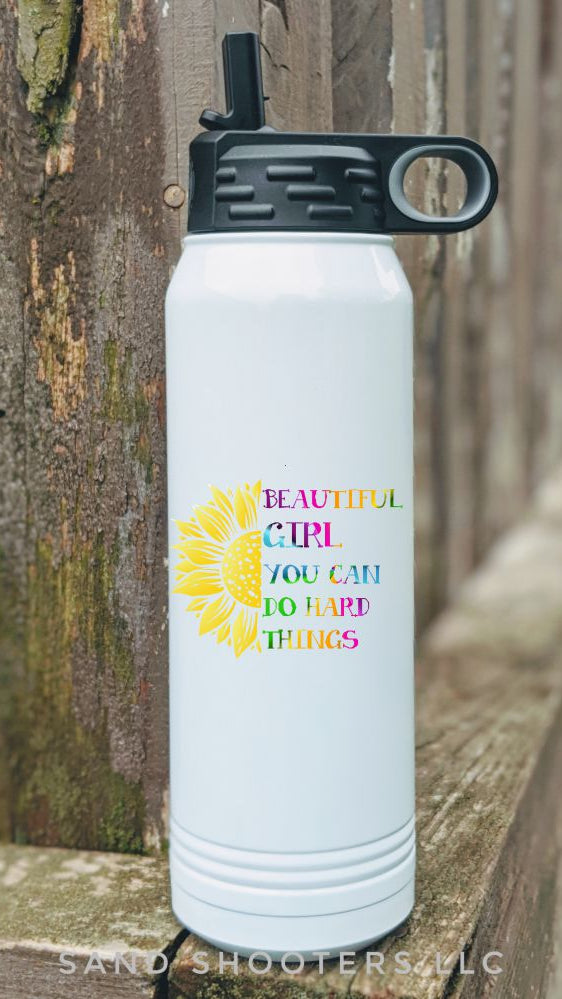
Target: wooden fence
x=99 y=102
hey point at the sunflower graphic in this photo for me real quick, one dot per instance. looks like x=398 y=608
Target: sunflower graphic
x=220 y=566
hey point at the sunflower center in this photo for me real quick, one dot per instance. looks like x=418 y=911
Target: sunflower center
x=241 y=569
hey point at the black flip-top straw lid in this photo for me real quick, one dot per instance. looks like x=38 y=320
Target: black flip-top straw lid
x=245 y=176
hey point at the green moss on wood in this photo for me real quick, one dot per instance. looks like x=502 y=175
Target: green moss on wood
x=125 y=402
x=70 y=900
x=74 y=604
x=45 y=32
x=115 y=399
x=11 y=656
x=68 y=791
x=115 y=828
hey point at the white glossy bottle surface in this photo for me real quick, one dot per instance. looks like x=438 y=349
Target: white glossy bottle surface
x=289 y=393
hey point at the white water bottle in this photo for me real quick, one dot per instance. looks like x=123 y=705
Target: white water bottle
x=289 y=393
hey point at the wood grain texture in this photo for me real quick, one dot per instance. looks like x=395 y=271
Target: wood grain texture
x=12 y=428
x=84 y=908
x=489 y=751
x=457 y=395
x=419 y=33
x=84 y=235
x=296 y=54
x=361 y=73
x=96 y=134
x=547 y=199
x=501 y=470
x=485 y=300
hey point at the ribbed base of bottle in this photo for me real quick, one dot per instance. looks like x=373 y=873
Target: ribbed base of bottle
x=246 y=901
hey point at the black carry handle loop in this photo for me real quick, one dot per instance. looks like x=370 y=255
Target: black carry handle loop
x=481 y=184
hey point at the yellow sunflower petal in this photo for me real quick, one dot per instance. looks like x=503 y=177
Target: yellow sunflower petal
x=205 y=542
x=223 y=632
x=244 y=631
x=197 y=604
x=217 y=524
x=223 y=501
x=215 y=614
x=200 y=582
x=200 y=552
x=189 y=528
x=245 y=508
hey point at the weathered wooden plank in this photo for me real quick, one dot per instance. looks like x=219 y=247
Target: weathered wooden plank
x=418 y=106
x=499 y=461
x=296 y=53
x=65 y=915
x=525 y=234
x=479 y=92
x=430 y=327
x=458 y=401
x=407 y=78
x=187 y=83
x=362 y=65
x=86 y=732
x=553 y=987
x=489 y=751
x=547 y=200
x=96 y=174
x=12 y=367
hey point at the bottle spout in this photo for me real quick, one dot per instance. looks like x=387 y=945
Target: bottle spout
x=243 y=85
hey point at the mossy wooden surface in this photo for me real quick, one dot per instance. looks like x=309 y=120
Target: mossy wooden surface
x=102 y=99
x=45 y=33
x=84 y=740
x=63 y=902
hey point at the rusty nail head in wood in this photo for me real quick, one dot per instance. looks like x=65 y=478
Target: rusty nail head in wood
x=174 y=196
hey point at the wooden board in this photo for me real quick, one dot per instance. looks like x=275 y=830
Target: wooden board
x=66 y=915
x=101 y=102
x=83 y=241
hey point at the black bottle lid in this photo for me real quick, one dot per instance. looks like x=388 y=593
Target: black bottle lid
x=245 y=176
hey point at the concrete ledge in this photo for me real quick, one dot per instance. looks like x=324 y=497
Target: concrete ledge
x=489 y=819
